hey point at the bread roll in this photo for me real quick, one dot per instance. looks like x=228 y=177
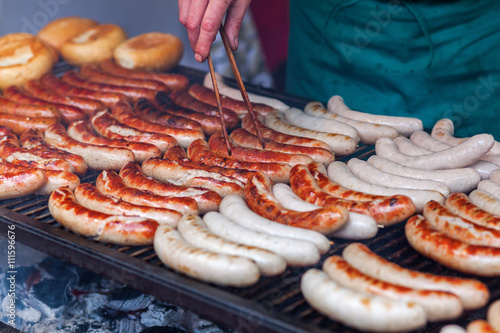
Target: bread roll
x=57 y=32
x=93 y=45
x=23 y=57
x=150 y=51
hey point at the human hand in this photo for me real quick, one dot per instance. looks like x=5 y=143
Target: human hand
x=203 y=18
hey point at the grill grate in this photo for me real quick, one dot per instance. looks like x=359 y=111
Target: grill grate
x=274 y=304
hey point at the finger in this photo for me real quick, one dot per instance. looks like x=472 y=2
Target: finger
x=194 y=18
x=210 y=26
x=234 y=19
x=183 y=10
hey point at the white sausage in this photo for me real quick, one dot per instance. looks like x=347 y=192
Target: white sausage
x=368 y=132
x=405 y=125
x=194 y=231
x=490 y=187
x=473 y=293
x=338 y=143
x=234 y=208
x=358 y=310
x=444 y=129
x=452 y=329
x=359 y=226
x=221 y=269
x=295 y=252
x=485 y=201
x=298 y=118
x=495 y=176
x=457 y=180
x=367 y=172
x=426 y=141
x=339 y=173
x=459 y=156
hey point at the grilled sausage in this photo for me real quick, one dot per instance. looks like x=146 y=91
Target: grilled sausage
x=443 y=220
x=179 y=155
x=452 y=253
x=92 y=72
x=17 y=181
x=385 y=211
x=27 y=110
x=172 y=81
x=242 y=137
x=83 y=131
x=438 y=305
x=39 y=90
x=107 y=126
x=185 y=100
x=473 y=293
x=210 y=124
x=109 y=183
x=359 y=226
x=150 y=112
x=68 y=113
x=218 y=145
x=199 y=151
x=57 y=179
x=133 y=93
x=11 y=151
x=122 y=230
x=258 y=195
x=96 y=157
x=174 y=172
x=380 y=314
x=34 y=142
x=207 y=95
x=460 y=204
x=88 y=196
x=236 y=93
x=133 y=176
x=61 y=87
x=124 y=113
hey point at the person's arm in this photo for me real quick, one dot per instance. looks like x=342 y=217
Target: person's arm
x=203 y=18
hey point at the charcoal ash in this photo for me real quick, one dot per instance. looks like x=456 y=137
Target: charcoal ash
x=57 y=297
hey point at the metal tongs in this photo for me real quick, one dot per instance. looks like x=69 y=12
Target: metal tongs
x=241 y=86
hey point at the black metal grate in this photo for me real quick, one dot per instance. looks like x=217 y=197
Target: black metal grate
x=274 y=304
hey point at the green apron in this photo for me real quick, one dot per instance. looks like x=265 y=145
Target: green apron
x=426 y=59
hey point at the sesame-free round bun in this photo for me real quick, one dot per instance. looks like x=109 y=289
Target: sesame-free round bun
x=57 y=32
x=93 y=45
x=23 y=57
x=150 y=51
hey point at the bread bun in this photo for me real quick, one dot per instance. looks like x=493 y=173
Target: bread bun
x=57 y=32
x=93 y=45
x=23 y=57
x=150 y=51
